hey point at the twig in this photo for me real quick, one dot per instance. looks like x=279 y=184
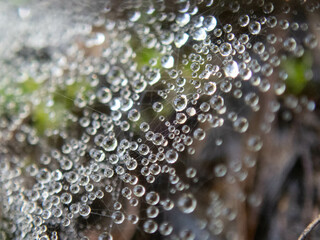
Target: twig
x=309 y=228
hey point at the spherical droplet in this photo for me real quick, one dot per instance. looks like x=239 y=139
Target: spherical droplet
x=187 y=203
x=84 y=210
x=171 y=156
x=109 y=143
x=200 y=34
x=231 y=69
x=209 y=23
x=225 y=49
x=254 y=143
x=241 y=125
x=180 y=102
x=150 y=226
x=104 y=95
x=167 y=61
x=210 y=88
x=152 y=198
x=254 y=28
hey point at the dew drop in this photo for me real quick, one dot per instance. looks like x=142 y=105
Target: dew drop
x=171 y=156
x=84 y=210
x=254 y=27
x=225 y=49
x=180 y=39
x=199 y=34
x=231 y=69
x=167 y=61
x=241 y=125
x=104 y=95
x=209 y=23
x=109 y=143
x=150 y=226
x=180 y=102
x=187 y=203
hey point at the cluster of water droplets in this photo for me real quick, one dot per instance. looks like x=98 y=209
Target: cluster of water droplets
x=132 y=107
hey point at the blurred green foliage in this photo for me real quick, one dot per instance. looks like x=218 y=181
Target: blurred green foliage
x=296 y=68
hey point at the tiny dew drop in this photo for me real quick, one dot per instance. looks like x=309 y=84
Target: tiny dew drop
x=134 y=115
x=199 y=134
x=220 y=170
x=181 y=118
x=152 y=198
x=157 y=106
x=165 y=229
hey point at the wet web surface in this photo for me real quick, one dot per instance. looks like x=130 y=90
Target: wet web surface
x=159 y=120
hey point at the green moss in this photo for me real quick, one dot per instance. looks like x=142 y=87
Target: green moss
x=44 y=117
x=29 y=86
x=296 y=69
x=145 y=55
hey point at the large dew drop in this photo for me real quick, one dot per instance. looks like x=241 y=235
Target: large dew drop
x=231 y=69
x=109 y=143
x=180 y=103
x=167 y=61
x=187 y=203
x=209 y=23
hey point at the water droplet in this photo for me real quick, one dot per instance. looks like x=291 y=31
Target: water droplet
x=199 y=134
x=255 y=28
x=180 y=39
x=220 y=170
x=187 y=203
x=84 y=210
x=231 y=69
x=152 y=198
x=225 y=49
x=199 y=34
x=241 y=125
x=254 y=143
x=183 y=19
x=167 y=61
x=109 y=143
x=171 y=156
x=180 y=102
x=118 y=217
x=209 y=23
x=244 y=20
x=150 y=226
x=165 y=229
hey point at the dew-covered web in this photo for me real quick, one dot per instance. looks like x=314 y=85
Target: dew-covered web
x=146 y=119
